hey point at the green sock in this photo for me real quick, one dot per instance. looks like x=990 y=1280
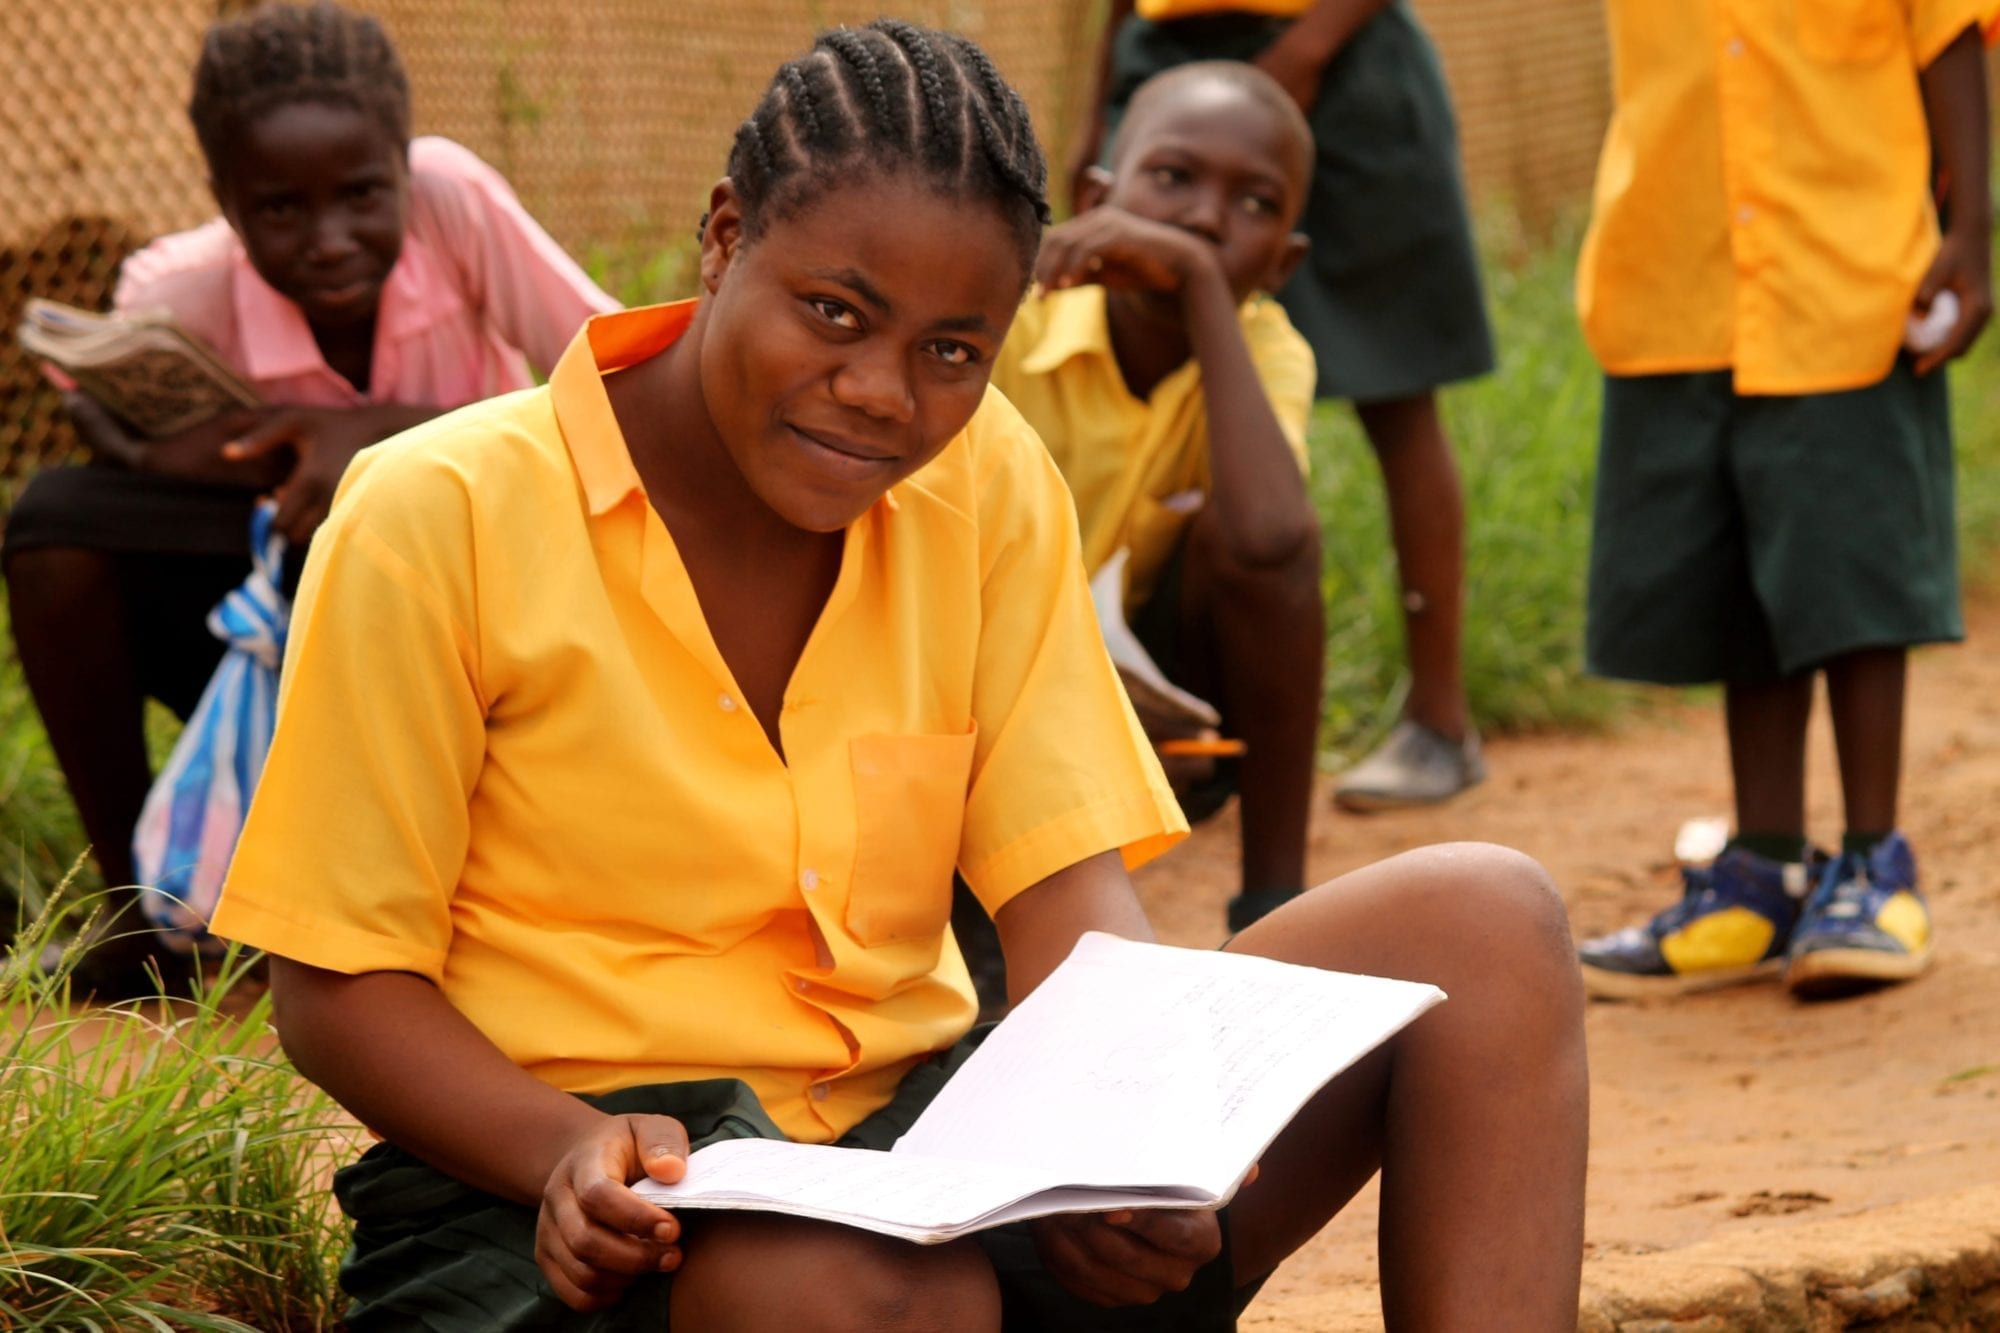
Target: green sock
x=1772 y=846
x=1860 y=844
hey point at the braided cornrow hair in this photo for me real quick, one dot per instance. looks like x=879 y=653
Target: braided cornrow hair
x=885 y=97
x=279 y=54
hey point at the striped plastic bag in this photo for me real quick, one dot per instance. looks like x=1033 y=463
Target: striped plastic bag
x=189 y=824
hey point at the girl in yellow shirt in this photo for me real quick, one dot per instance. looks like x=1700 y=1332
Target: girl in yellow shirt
x=634 y=724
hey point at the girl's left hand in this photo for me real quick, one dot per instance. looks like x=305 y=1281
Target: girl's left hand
x=1964 y=268
x=324 y=440
x=1132 y=1257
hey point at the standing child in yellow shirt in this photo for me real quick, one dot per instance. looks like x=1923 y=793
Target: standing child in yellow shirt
x=1174 y=394
x=709 y=659
x=1774 y=491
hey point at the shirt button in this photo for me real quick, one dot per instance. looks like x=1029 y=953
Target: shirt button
x=818 y=1092
x=1735 y=47
x=802 y=986
x=1744 y=213
x=725 y=703
x=809 y=880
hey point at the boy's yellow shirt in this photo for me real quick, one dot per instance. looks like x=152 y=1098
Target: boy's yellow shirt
x=1138 y=470
x=1763 y=199
x=1160 y=11
x=510 y=758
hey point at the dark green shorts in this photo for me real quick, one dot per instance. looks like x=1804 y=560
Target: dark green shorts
x=433 y=1254
x=1389 y=296
x=1741 y=538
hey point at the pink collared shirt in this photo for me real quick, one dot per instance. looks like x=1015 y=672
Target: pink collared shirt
x=479 y=295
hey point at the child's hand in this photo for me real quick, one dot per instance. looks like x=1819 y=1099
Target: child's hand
x=195 y=454
x=323 y=440
x=1963 y=267
x=595 y=1235
x=1119 y=249
x=1132 y=1257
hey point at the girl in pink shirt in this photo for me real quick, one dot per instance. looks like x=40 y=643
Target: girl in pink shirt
x=362 y=282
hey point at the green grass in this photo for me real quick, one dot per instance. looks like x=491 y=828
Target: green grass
x=165 y=1168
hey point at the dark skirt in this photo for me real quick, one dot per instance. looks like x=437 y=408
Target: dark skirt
x=1389 y=296
x=179 y=547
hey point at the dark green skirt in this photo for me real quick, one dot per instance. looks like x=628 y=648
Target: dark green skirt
x=1743 y=538
x=1390 y=295
x=436 y=1255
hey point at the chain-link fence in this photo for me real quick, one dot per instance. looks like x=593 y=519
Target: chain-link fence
x=611 y=117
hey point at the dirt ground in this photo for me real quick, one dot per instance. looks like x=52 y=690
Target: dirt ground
x=1735 y=1109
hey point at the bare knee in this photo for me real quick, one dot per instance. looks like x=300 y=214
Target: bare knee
x=778 y=1273
x=49 y=578
x=1276 y=567
x=1472 y=918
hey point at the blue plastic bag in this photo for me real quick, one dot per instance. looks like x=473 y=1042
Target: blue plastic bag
x=188 y=827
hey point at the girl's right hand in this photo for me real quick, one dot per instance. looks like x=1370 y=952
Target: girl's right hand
x=594 y=1235
x=194 y=454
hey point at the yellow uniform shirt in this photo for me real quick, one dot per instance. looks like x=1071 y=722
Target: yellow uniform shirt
x=1763 y=197
x=509 y=756
x=1160 y=11
x=1138 y=470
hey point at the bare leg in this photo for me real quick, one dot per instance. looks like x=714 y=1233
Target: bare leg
x=1427 y=526
x=1865 y=694
x=762 y=1271
x=1265 y=634
x=1477 y=1114
x=69 y=632
x=1767 y=752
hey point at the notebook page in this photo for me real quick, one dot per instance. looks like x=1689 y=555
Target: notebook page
x=1144 y=1064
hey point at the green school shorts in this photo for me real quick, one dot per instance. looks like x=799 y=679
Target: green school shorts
x=1740 y=538
x=430 y=1253
x=1389 y=296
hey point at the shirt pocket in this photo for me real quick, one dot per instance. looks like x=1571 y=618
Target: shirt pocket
x=909 y=809
x=1849 y=32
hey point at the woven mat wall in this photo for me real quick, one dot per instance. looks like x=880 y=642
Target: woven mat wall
x=611 y=118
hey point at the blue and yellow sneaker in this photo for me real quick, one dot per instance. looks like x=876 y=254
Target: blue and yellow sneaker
x=1733 y=924
x=1864 y=926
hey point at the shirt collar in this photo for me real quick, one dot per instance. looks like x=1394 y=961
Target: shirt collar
x=1076 y=326
x=279 y=344
x=604 y=344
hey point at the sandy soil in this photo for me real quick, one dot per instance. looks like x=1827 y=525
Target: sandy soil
x=1733 y=1109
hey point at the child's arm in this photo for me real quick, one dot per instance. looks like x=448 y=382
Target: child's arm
x=1088 y=141
x=1259 y=495
x=1955 y=103
x=1299 y=57
x=390 y=1048
x=1110 y=1259
x=321 y=442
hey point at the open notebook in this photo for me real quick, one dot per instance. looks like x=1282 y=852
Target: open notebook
x=1135 y=1076
x=156 y=376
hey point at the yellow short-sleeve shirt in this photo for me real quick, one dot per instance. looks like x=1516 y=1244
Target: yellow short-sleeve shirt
x=509 y=756
x=1161 y=11
x=1763 y=196
x=1138 y=469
